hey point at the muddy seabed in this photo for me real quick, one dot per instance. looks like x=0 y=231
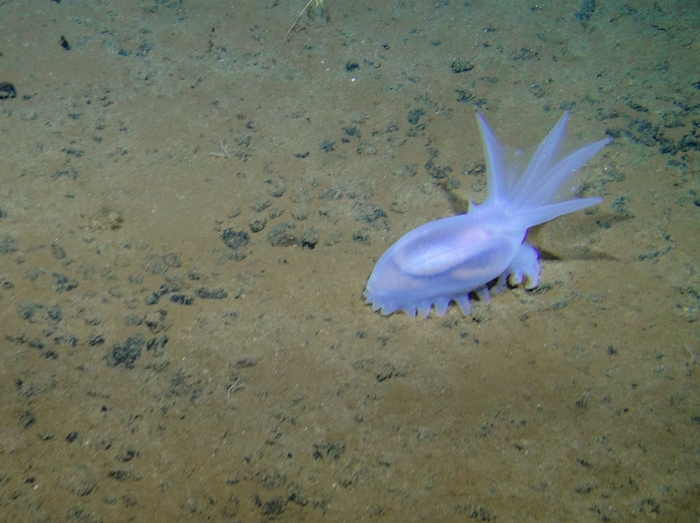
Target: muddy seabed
x=190 y=207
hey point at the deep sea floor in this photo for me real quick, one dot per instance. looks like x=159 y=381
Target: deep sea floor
x=191 y=202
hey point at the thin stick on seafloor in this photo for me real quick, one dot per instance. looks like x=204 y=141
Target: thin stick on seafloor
x=295 y=21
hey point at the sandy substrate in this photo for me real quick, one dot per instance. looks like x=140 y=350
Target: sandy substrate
x=189 y=211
